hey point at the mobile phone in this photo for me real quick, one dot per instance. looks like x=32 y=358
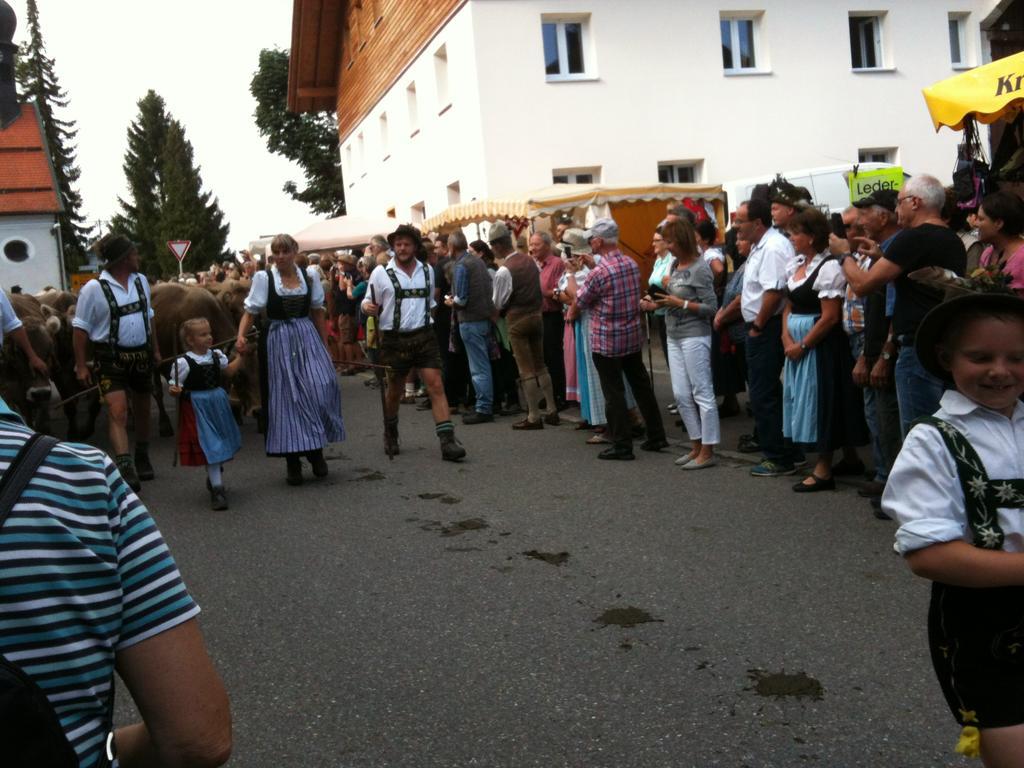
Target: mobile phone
x=838 y=226
x=656 y=291
x=567 y=251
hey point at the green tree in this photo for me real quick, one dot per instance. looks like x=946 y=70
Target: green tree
x=166 y=200
x=37 y=79
x=311 y=140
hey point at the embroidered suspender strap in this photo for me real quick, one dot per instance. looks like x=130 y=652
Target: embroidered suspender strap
x=144 y=307
x=979 y=492
x=409 y=293
x=118 y=311
x=428 y=291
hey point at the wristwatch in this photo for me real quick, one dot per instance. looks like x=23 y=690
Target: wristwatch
x=886 y=355
x=804 y=347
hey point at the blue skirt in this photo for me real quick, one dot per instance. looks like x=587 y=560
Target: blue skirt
x=218 y=433
x=304 y=399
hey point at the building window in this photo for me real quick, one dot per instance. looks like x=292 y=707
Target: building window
x=385 y=139
x=441 y=74
x=16 y=251
x=361 y=154
x=418 y=212
x=958 y=40
x=414 y=110
x=679 y=172
x=348 y=169
x=878 y=155
x=576 y=176
x=565 y=48
x=866 y=42
x=740 y=43
x=454 y=193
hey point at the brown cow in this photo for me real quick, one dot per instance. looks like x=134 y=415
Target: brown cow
x=61 y=305
x=173 y=304
x=25 y=390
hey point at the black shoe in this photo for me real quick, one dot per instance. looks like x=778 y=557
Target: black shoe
x=816 y=484
x=142 y=466
x=876 y=510
x=748 y=444
x=512 y=409
x=476 y=417
x=638 y=430
x=127 y=469
x=653 y=445
x=616 y=454
x=293 y=474
x=218 y=498
x=871 y=490
x=563 y=405
x=552 y=419
x=451 y=449
x=318 y=462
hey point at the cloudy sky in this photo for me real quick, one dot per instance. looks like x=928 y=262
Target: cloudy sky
x=200 y=56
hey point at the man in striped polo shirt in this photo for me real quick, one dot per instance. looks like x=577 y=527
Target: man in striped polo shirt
x=86 y=582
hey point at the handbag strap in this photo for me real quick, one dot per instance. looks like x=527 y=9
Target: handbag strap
x=21 y=471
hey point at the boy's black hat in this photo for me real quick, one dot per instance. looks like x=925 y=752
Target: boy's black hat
x=112 y=248
x=937 y=322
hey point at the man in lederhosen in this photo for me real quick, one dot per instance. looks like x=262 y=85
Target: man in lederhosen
x=401 y=295
x=115 y=313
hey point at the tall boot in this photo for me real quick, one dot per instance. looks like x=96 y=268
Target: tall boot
x=317 y=461
x=391 y=435
x=293 y=474
x=126 y=466
x=551 y=414
x=142 y=464
x=451 y=449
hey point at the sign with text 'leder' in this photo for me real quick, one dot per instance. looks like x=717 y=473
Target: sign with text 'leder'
x=179 y=248
x=866 y=182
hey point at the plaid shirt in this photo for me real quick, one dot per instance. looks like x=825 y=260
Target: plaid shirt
x=612 y=293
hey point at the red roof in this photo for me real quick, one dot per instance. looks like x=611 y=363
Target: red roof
x=27 y=182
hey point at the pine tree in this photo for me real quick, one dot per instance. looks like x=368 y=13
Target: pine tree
x=188 y=212
x=37 y=80
x=311 y=140
x=140 y=218
x=166 y=197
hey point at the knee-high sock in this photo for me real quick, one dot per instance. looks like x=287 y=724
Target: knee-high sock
x=215 y=473
x=549 y=391
x=531 y=390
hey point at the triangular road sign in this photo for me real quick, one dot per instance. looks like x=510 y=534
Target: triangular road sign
x=179 y=248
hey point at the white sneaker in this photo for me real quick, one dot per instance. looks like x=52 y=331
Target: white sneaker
x=673 y=408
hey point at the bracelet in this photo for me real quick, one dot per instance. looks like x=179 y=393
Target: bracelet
x=686 y=303
x=804 y=347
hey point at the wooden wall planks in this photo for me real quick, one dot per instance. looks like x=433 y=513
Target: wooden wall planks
x=384 y=38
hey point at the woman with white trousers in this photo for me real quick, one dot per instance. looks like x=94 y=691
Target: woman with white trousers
x=691 y=304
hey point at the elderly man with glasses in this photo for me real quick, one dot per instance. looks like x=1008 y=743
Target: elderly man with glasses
x=925 y=241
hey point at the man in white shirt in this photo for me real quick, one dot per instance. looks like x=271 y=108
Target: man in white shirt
x=401 y=296
x=761 y=304
x=115 y=314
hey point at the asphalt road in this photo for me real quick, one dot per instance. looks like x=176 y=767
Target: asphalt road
x=388 y=616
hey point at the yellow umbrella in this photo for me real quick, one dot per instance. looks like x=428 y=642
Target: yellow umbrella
x=985 y=93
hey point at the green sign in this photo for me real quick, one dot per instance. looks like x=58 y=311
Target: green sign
x=866 y=182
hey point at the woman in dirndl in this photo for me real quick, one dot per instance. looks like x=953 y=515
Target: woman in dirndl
x=301 y=396
x=822 y=409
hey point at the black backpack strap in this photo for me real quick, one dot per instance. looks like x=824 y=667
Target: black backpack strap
x=21 y=471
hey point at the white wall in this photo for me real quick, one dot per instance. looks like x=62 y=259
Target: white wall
x=448 y=147
x=659 y=93
x=42 y=268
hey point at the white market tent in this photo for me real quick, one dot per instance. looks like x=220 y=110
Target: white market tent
x=343 y=232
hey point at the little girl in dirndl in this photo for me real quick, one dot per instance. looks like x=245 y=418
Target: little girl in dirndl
x=207 y=432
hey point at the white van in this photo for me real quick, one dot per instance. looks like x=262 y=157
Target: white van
x=828 y=185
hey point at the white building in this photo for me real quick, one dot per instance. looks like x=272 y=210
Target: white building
x=496 y=97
